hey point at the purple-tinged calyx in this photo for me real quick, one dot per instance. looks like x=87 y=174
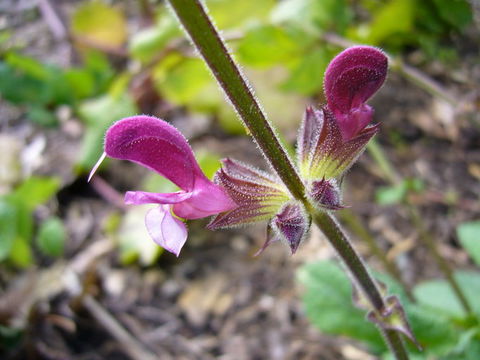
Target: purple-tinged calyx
x=291 y=224
x=351 y=78
x=258 y=194
x=160 y=147
x=326 y=194
x=322 y=154
x=261 y=197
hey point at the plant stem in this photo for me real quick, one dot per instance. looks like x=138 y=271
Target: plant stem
x=201 y=30
x=338 y=239
x=207 y=40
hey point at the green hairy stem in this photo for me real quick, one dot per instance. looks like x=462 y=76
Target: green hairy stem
x=193 y=17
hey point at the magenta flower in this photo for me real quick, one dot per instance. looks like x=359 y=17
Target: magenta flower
x=160 y=147
x=332 y=138
x=351 y=78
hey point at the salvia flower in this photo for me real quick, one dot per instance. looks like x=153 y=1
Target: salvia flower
x=160 y=147
x=331 y=138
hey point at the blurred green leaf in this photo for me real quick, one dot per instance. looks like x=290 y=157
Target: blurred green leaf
x=8 y=227
x=389 y=195
x=147 y=43
x=81 y=81
x=395 y=194
x=267 y=45
x=99 y=114
x=21 y=253
x=328 y=303
x=313 y=15
x=457 y=13
x=42 y=116
x=394 y=18
x=307 y=76
x=228 y=14
x=182 y=80
x=51 y=237
x=134 y=240
x=100 y=23
x=438 y=294
x=469 y=235
x=36 y=190
x=209 y=162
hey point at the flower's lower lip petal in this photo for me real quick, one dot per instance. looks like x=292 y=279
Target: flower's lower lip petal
x=155 y=144
x=166 y=230
x=142 y=197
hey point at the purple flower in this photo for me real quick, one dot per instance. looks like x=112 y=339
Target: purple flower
x=351 y=78
x=332 y=138
x=160 y=147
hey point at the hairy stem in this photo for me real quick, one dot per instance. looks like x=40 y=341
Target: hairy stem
x=338 y=239
x=207 y=40
x=205 y=37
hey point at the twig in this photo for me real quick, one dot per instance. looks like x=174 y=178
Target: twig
x=52 y=19
x=133 y=347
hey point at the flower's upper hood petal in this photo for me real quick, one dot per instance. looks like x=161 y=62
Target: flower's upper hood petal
x=157 y=145
x=353 y=76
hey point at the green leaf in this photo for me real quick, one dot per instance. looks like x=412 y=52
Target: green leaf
x=42 y=116
x=209 y=162
x=437 y=294
x=307 y=76
x=36 y=191
x=267 y=45
x=51 y=237
x=99 y=114
x=394 y=18
x=314 y=15
x=390 y=195
x=183 y=80
x=328 y=303
x=100 y=23
x=134 y=240
x=469 y=235
x=8 y=227
x=457 y=13
x=21 y=253
x=228 y=14
x=147 y=43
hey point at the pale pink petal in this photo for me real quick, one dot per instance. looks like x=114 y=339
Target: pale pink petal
x=165 y=229
x=155 y=144
x=142 y=197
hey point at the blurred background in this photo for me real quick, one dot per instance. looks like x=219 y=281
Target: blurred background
x=81 y=279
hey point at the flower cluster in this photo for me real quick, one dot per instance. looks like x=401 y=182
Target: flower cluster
x=329 y=141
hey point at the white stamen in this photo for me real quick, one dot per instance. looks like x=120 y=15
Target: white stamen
x=96 y=166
